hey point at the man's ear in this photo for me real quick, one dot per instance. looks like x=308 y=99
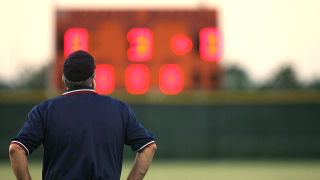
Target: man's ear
x=63 y=83
x=93 y=83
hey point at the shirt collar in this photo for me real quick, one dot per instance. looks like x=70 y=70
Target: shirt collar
x=80 y=89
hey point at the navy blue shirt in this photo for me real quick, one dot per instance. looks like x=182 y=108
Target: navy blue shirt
x=83 y=135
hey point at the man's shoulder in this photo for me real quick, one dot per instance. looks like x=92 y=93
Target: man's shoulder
x=101 y=99
x=52 y=100
x=49 y=102
x=111 y=99
x=43 y=106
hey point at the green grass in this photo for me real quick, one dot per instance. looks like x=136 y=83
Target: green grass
x=199 y=170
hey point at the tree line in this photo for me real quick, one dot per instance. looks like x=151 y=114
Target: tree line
x=234 y=78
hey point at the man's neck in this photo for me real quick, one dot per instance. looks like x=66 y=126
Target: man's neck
x=79 y=87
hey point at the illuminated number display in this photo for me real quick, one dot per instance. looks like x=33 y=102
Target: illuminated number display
x=210 y=44
x=137 y=78
x=181 y=44
x=75 y=39
x=143 y=51
x=140 y=49
x=105 y=78
x=171 y=79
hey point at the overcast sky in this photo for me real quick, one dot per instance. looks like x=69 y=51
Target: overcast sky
x=260 y=35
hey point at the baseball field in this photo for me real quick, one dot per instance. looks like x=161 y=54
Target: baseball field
x=203 y=170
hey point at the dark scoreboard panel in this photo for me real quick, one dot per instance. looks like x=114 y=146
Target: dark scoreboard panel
x=143 y=51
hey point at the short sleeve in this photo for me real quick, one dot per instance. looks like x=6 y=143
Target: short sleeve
x=32 y=133
x=136 y=135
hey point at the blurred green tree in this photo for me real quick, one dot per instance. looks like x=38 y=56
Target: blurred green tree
x=315 y=85
x=236 y=78
x=4 y=86
x=284 y=79
x=35 y=79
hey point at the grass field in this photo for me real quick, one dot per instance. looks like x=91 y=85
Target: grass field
x=203 y=170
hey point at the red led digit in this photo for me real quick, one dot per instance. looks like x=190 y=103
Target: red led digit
x=75 y=39
x=171 y=79
x=210 y=46
x=137 y=79
x=141 y=44
x=181 y=44
x=104 y=79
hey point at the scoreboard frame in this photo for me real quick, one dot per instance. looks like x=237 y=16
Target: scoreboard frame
x=109 y=41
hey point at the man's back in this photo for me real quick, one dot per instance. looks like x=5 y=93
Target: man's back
x=83 y=134
x=84 y=129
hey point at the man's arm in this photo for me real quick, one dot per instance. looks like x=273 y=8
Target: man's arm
x=19 y=162
x=142 y=163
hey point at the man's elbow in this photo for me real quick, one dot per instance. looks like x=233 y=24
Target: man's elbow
x=153 y=147
x=14 y=149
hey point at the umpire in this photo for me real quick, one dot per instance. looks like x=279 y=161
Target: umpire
x=83 y=133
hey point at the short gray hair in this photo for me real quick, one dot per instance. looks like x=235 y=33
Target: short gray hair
x=71 y=84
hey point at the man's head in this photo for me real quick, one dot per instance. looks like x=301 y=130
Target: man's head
x=78 y=70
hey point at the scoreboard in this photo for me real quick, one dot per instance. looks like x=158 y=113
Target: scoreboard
x=141 y=50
